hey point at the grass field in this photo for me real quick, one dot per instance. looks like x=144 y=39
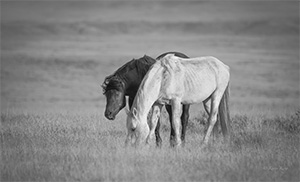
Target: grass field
x=55 y=55
x=67 y=147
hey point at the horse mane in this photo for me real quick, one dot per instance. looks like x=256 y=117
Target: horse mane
x=146 y=88
x=111 y=82
x=117 y=79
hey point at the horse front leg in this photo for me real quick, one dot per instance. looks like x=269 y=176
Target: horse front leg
x=184 y=121
x=130 y=101
x=176 y=110
x=128 y=138
x=156 y=109
x=172 y=133
x=157 y=135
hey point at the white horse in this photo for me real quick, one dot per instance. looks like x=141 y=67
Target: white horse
x=175 y=81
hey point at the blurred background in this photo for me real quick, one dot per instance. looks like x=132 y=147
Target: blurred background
x=55 y=55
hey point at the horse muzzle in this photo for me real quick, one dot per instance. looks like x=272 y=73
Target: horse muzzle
x=109 y=115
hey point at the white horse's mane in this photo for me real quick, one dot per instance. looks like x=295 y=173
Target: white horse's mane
x=149 y=83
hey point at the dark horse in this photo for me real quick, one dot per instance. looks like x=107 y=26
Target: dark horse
x=125 y=82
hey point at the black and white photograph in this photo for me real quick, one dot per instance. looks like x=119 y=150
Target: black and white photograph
x=150 y=90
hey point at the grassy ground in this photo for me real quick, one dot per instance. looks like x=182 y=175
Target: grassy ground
x=67 y=147
x=55 y=56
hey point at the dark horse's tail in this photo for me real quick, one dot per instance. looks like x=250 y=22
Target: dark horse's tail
x=223 y=115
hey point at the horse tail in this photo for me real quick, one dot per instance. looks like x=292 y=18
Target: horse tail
x=224 y=115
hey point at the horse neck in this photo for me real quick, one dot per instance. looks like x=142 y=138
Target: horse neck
x=148 y=92
x=133 y=78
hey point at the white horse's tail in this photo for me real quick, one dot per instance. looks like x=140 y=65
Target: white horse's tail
x=224 y=116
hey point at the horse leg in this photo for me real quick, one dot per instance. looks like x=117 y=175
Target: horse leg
x=128 y=137
x=215 y=101
x=206 y=105
x=130 y=101
x=172 y=134
x=157 y=135
x=153 y=121
x=176 y=110
x=207 y=108
x=184 y=121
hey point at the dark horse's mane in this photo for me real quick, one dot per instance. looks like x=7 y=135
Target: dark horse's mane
x=116 y=80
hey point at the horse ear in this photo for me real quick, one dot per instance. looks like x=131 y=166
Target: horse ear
x=134 y=112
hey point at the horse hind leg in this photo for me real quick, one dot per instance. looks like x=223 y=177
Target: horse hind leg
x=215 y=101
x=207 y=107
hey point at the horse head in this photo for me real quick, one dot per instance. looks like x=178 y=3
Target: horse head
x=113 y=89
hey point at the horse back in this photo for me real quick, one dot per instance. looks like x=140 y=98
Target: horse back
x=178 y=54
x=193 y=80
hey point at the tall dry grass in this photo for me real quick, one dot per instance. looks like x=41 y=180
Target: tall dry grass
x=69 y=147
